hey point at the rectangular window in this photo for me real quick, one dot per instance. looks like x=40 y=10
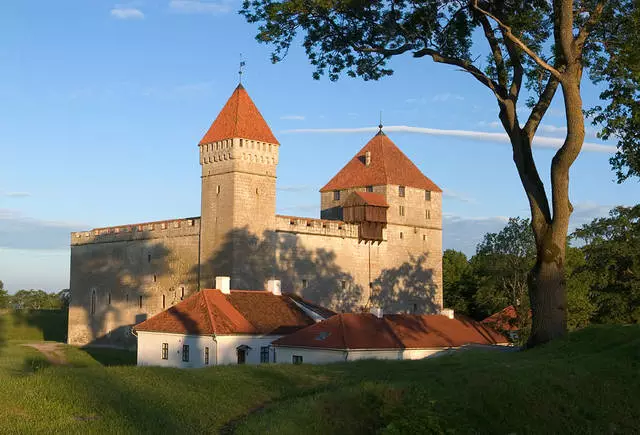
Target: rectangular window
x=305 y=283
x=206 y=356
x=402 y=210
x=336 y=195
x=149 y=258
x=427 y=195
x=164 y=301
x=427 y=214
x=401 y=191
x=185 y=353
x=140 y=302
x=165 y=350
x=155 y=278
x=369 y=188
x=297 y=359
x=343 y=285
x=264 y=354
x=109 y=300
x=401 y=235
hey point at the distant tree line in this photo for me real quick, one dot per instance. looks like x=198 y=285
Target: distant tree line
x=34 y=299
x=602 y=272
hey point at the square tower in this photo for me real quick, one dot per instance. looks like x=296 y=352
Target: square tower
x=238 y=155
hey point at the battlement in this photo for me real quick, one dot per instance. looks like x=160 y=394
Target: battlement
x=140 y=231
x=239 y=149
x=323 y=227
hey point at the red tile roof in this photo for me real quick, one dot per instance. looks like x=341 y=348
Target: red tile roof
x=239 y=118
x=240 y=312
x=505 y=320
x=366 y=198
x=395 y=331
x=388 y=165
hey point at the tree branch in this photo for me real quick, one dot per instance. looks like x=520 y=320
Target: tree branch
x=518 y=70
x=540 y=108
x=495 y=49
x=509 y=35
x=594 y=17
x=498 y=91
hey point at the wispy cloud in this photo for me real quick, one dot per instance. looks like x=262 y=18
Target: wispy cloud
x=201 y=6
x=586 y=211
x=293 y=117
x=22 y=232
x=464 y=233
x=539 y=141
x=301 y=209
x=15 y=194
x=126 y=13
x=294 y=188
x=447 y=96
x=452 y=194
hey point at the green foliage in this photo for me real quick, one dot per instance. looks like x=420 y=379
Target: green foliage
x=4 y=296
x=37 y=300
x=458 y=282
x=612 y=256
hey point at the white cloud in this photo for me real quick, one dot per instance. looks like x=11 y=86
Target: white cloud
x=464 y=233
x=126 y=13
x=552 y=129
x=22 y=232
x=15 y=194
x=293 y=117
x=586 y=211
x=201 y=6
x=452 y=194
x=492 y=124
x=446 y=97
x=539 y=141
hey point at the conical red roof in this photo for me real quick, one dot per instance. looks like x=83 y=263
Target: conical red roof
x=388 y=165
x=239 y=118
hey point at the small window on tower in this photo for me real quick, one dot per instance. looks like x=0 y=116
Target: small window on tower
x=402 y=210
x=369 y=188
x=427 y=214
x=304 y=283
x=181 y=293
x=336 y=195
x=401 y=235
x=139 y=301
x=424 y=237
x=343 y=284
x=164 y=301
x=401 y=190
x=149 y=258
x=109 y=300
x=218 y=190
x=427 y=195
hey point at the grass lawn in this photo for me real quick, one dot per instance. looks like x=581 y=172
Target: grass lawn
x=587 y=383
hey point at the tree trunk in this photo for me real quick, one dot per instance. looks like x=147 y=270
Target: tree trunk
x=547 y=294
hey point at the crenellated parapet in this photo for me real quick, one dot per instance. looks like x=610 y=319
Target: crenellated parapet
x=219 y=156
x=141 y=231
x=322 y=227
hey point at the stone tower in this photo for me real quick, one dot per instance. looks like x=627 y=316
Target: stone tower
x=238 y=155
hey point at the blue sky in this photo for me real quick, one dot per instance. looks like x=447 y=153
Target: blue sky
x=103 y=104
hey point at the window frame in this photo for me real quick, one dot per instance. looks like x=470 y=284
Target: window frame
x=401 y=210
x=165 y=351
x=297 y=359
x=185 y=353
x=336 y=195
x=206 y=355
x=264 y=354
x=402 y=191
x=369 y=188
x=427 y=195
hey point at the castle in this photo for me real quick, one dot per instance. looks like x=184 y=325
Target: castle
x=378 y=242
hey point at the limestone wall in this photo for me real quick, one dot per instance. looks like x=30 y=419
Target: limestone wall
x=120 y=276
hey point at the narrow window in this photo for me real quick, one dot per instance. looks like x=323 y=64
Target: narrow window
x=427 y=195
x=165 y=350
x=181 y=293
x=264 y=354
x=297 y=359
x=343 y=284
x=401 y=235
x=369 y=188
x=206 y=356
x=424 y=237
x=109 y=299
x=126 y=298
x=427 y=214
x=415 y=308
x=401 y=191
x=185 y=353
x=139 y=301
x=218 y=190
x=402 y=210
x=164 y=301
x=304 y=283
x=93 y=302
x=336 y=195
x=155 y=278
x=149 y=258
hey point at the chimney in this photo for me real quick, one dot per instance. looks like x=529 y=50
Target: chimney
x=222 y=284
x=367 y=158
x=377 y=311
x=448 y=312
x=273 y=286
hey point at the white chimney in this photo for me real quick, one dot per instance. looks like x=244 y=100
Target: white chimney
x=377 y=311
x=222 y=284
x=273 y=285
x=448 y=312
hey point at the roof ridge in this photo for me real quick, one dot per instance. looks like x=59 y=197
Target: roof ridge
x=209 y=311
x=384 y=160
x=237 y=114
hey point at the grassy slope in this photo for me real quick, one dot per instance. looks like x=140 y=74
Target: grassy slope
x=36 y=325
x=587 y=383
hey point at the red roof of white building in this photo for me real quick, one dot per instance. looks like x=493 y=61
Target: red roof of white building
x=239 y=118
x=388 y=165
x=211 y=312
x=393 y=331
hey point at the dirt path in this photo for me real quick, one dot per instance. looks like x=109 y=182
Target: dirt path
x=52 y=351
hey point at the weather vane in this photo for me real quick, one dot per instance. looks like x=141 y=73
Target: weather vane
x=380 y=125
x=242 y=63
